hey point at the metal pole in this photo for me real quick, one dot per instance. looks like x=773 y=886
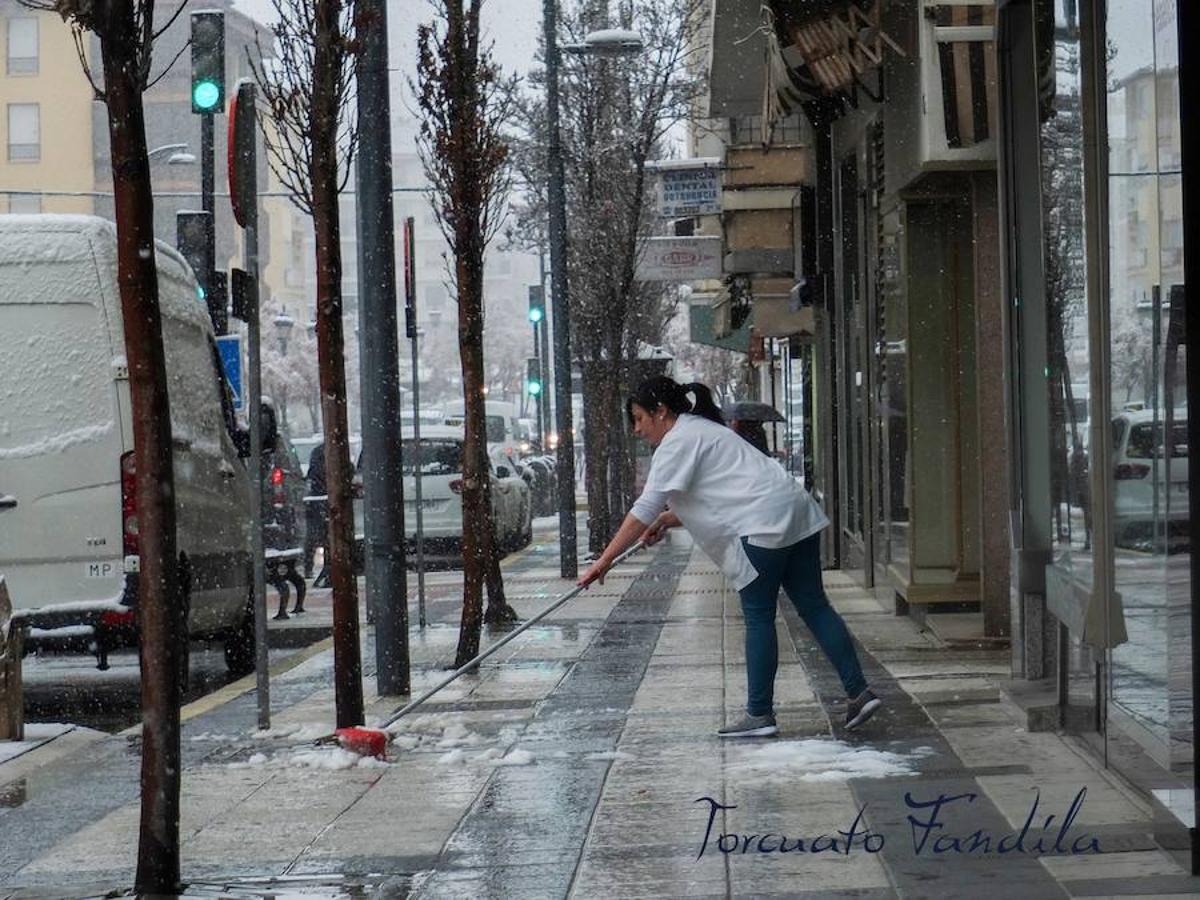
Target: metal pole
x=383 y=483
x=410 y=324
x=560 y=301
x=207 y=189
x=537 y=398
x=254 y=402
x=544 y=399
x=547 y=369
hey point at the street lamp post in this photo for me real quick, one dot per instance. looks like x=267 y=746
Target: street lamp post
x=283 y=329
x=179 y=155
x=560 y=303
x=606 y=42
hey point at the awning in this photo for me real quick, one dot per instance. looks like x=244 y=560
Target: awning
x=820 y=49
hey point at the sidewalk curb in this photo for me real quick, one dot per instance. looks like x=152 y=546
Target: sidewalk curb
x=244 y=685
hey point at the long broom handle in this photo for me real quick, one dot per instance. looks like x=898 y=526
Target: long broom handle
x=565 y=598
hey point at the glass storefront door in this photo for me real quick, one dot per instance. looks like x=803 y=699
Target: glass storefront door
x=1149 y=674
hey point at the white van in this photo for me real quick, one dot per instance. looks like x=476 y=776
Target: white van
x=68 y=521
x=500 y=419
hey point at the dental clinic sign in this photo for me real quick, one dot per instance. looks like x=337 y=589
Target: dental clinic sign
x=688 y=187
x=679 y=259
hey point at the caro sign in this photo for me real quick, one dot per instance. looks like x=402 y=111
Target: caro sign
x=679 y=259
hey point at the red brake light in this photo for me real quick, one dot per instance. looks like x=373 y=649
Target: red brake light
x=114 y=619
x=1131 y=471
x=129 y=522
x=457 y=485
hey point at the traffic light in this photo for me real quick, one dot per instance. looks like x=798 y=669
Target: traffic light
x=537 y=304
x=208 y=62
x=533 y=376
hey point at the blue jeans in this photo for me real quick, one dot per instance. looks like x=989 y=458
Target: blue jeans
x=798 y=570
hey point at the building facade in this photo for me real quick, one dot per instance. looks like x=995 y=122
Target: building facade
x=989 y=237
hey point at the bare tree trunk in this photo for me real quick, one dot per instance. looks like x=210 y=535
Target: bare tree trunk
x=477 y=516
x=498 y=611
x=597 y=399
x=161 y=604
x=330 y=341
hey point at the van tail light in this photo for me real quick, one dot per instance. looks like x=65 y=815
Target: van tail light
x=129 y=519
x=1131 y=471
x=279 y=493
x=457 y=485
x=114 y=619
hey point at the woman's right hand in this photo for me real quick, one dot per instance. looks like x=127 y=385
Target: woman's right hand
x=658 y=528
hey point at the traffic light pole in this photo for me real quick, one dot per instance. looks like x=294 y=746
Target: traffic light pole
x=414 y=334
x=208 y=178
x=537 y=399
x=544 y=399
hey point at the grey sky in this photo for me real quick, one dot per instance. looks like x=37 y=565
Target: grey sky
x=513 y=24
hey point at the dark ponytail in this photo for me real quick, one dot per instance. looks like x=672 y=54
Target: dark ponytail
x=666 y=392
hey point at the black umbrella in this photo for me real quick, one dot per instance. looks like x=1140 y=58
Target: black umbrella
x=751 y=411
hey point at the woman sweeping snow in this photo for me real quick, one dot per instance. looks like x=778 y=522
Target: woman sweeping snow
x=753 y=520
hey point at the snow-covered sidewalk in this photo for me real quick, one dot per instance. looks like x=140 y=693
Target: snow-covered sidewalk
x=582 y=761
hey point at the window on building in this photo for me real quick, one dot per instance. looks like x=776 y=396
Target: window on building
x=24 y=132
x=748 y=130
x=25 y=204
x=434 y=297
x=23 y=46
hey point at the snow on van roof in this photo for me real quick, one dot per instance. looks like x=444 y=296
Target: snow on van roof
x=26 y=240
x=434 y=431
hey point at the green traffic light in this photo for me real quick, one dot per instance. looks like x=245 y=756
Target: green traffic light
x=205 y=94
x=535 y=314
x=535 y=388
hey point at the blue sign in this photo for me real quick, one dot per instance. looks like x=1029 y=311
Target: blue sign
x=230 y=346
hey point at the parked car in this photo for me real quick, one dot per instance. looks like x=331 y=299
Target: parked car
x=440 y=462
x=68 y=508
x=1149 y=486
x=542 y=483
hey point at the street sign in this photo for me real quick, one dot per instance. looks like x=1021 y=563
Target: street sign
x=230 y=348
x=410 y=279
x=679 y=259
x=242 y=163
x=689 y=191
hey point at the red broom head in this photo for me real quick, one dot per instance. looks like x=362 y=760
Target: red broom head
x=363 y=741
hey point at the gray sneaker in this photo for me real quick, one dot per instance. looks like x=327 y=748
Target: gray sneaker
x=750 y=726
x=861 y=708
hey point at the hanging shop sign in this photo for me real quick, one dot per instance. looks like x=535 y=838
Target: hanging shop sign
x=688 y=187
x=679 y=259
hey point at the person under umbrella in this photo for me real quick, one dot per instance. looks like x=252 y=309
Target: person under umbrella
x=753 y=520
x=752 y=433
